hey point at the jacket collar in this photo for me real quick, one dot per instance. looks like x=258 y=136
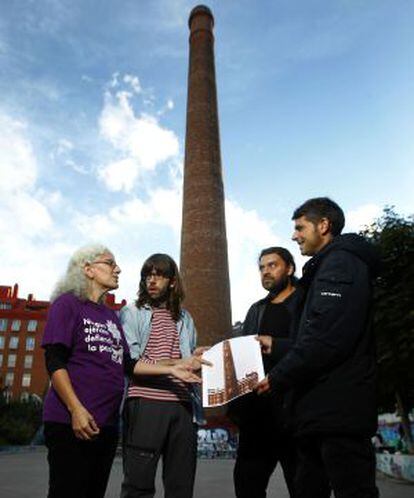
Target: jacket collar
x=313 y=264
x=148 y=307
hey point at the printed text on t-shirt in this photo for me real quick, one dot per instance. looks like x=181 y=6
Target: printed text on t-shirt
x=103 y=338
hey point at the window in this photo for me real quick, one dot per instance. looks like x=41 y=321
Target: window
x=14 y=342
x=5 y=306
x=26 y=380
x=11 y=360
x=1 y=359
x=9 y=379
x=30 y=344
x=3 y=324
x=1 y=342
x=32 y=325
x=15 y=326
x=28 y=361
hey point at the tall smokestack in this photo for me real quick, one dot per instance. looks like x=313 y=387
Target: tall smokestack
x=204 y=262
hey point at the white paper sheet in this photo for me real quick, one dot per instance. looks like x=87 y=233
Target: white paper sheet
x=237 y=368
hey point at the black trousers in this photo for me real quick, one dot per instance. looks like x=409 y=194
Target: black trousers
x=153 y=429
x=78 y=468
x=343 y=464
x=258 y=453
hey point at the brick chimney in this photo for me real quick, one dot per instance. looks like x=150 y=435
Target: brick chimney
x=204 y=262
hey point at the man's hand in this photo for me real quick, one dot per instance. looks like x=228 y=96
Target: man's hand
x=83 y=424
x=194 y=362
x=263 y=386
x=201 y=350
x=266 y=343
x=185 y=373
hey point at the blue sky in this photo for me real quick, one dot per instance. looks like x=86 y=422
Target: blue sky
x=315 y=98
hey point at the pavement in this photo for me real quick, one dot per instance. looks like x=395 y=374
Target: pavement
x=24 y=475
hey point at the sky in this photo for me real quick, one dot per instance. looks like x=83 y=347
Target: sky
x=315 y=98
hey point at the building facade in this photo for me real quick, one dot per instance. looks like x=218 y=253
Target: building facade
x=22 y=321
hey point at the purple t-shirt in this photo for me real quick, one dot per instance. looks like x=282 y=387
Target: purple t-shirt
x=95 y=337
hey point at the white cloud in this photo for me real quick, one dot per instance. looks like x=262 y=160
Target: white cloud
x=247 y=228
x=35 y=266
x=133 y=81
x=169 y=105
x=62 y=154
x=120 y=175
x=32 y=249
x=96 y=226
x=79 y=168
x=163 y=208
x=360 y=217
x=64 y=146
x=20 y=210
x=247 y=235
x=167 y=206
x=18 y=166
x=26 y=214
x=50 y=199
x=114 y=80
x=140 y=142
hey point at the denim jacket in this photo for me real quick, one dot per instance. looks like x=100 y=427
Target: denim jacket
x=136 y=323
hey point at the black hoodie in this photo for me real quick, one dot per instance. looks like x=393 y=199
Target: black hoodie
x=331 y=366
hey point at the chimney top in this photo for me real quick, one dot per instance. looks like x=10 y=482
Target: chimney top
x=200 y=9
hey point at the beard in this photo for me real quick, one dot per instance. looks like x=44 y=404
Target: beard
x=160 y=300
x=276 y=287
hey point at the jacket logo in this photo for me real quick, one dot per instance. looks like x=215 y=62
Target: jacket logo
x=331 y=294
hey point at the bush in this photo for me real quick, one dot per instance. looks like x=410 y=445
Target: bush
x=19 y=421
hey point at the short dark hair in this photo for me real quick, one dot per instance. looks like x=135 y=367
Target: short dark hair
x=163 y=265
x=322 y=207
x=282 y=252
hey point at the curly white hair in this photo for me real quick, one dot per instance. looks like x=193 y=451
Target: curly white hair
x=74 y=280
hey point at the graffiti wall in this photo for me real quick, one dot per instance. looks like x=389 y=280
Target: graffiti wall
x=399 y=466
x=392 y=434
x=216 y=443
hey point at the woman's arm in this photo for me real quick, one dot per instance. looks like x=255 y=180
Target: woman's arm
x=57 y=356
x=83 y=424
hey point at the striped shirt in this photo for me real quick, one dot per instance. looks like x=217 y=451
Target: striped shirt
x=163 y=343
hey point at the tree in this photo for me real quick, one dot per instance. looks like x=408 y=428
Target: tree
x=394 y=314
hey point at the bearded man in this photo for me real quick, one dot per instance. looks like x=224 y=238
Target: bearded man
x=264 y=436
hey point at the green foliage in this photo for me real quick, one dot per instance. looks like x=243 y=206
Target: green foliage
x=393 y=307
x=19 y=420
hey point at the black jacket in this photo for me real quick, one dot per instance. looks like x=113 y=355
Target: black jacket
x=331 y=366
x=253 y=320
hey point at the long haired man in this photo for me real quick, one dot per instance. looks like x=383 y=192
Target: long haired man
x=161 y=409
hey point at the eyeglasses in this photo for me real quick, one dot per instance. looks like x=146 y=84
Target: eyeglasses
x=155 y=276
x=111 y=263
